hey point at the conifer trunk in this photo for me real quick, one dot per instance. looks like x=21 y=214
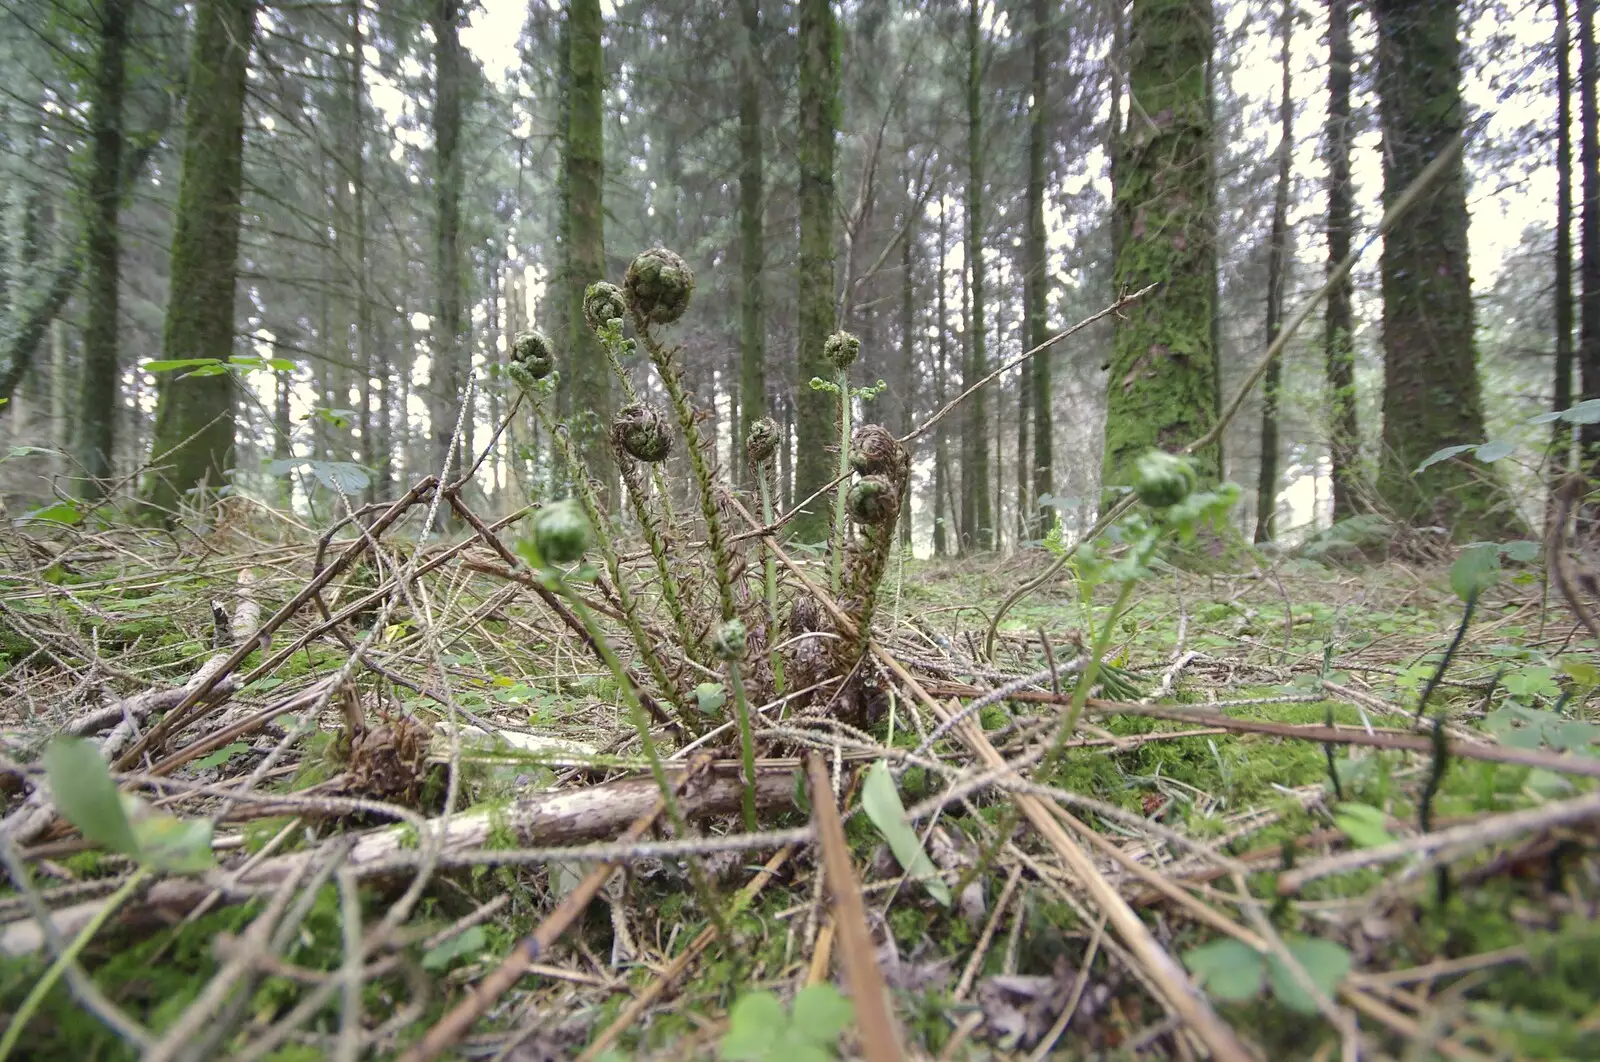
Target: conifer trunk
x=447 y=378
x=752 y=251
x=814 y=414
x=1277 y=279
x=193 y=437
x=1344 y=443
x=1589 y=232
x=1036 y=385
x=590 y=376
x=1561 y=442
x=942 y=515
x=975 y=429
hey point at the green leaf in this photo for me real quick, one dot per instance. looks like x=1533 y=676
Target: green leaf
x=1476 y=570
x=1494 y=450
x=1582 y=672
x=1522 y=551
x=881 y=801
x=86 y=795
x=469 y=942
x=1227 y=968
x=59 y=513
x=1363 y=824
x=1585 y=412
x=177 y=363
x=206 y=370
x=1325 y=963
x=755 y=1026
x=1444 y=455
x=340 y=475
x=222 y=755
x=1532 y=681
x=821 y=1014
x=27 y=451
x=710 y=697
x=280 y=364
x=180 y=846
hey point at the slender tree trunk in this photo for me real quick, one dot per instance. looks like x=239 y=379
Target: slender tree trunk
x=1431 y=393
x=445 y=390
x=908 y=343
x=372 y=445
x=1162 y=386
x=193 y=440
x=819 y=92
x=590 y=376
x=1344 y=444
x=1277 y=281
x=752 y=251
x=1561 y=441
x=100 y=380
x=1036 y=285
x=941 y=370
x=975 y=432
x=1589 y=235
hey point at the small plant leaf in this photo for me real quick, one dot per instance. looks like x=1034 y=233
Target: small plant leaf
x=180 y=846
x=469 y=942
x=881 y=801
x=1227 y=968
x=821 y=1014
x=1494 y=450
x=86 y=795
x=1476 y=570
x=1585 y=412
x=222 y=755
x=709 y=697
x=1324 y=962
x=177 y=363
x=756 y=1025
x=59 y=513
x=1363 y=824
x=1444 y=455
x=1522 y=551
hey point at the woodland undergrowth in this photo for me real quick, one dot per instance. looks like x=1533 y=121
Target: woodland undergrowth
x=630 y=774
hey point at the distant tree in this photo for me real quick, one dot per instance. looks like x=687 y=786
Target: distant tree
x=819 y=119
x=1431 y=396
x=193 y=440
x=978 y=515
x=1344 y=443
x=448 y=376
x=1561 y=441
x=1589 y=233
x=752 y=249
x=1277 y=268
x=1162 y=386
x=1036 y=383
x=587 y=372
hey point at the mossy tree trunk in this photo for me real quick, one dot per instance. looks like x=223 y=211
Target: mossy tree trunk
x=100 y=380
x=590 y=376
x=908 y=340
x=1561 y=440
x=1035 y=384
x=1589 y=237
x=1277 y=280
x=975 y=426
x=1430 y=373
x=942 y=515
x=752 y=250
x=373 y=443
x=445 y=386
x=1163 y=371
x=819 y=119
x=193 y=438
x=1344 y=441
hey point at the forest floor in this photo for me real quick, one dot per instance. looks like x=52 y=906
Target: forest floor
x=1242 y=795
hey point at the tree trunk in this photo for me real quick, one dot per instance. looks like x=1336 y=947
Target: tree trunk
x=941 y=370
x=588 y=372
x=1430 y=373
x=908 y=343
x=752 y=296
x=444 y=397
x=819 y=92
x=100 y=379
x=1162 y=386
x=1277 y=280
x=1561 y=441
x=193 y=440
x=1344 y=443
x=975 y=430
x=1589 y=236
x=1039 y=518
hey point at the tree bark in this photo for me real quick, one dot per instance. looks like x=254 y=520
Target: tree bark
x=1036 y=377
x=588 y=372
x=975 y=429
x=193 y=440
x=1431 y=393
x=941 y=440
x=1561 y=441
x=752 y=251
x=445 y=386
x=1589 y=235
x=1344 y=443
x=1163 y=370
x=819 y=93
x=1277 y=280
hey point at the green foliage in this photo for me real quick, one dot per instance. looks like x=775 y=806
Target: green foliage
x=86 y=795
x=881 y=801
x=759 y=1030
x=1232 y=971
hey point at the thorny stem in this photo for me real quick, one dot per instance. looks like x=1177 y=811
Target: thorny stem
x=747 y=745
x=68 y=956
x=836 y=565
x=658 y=548
x=720 y=557
x=764 y=481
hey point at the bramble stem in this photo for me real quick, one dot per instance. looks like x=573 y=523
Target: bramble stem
x=836 y=567
x=747 y=744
